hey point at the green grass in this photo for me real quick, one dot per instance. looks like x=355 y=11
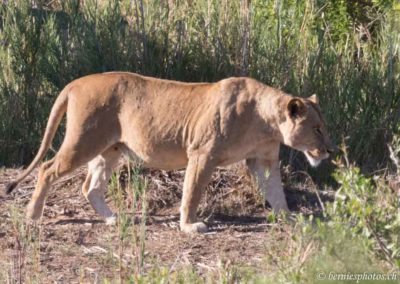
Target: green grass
x=303 y=47
x=131 y=234
x=23 y=265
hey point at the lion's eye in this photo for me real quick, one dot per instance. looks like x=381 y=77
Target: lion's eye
x=318 y=131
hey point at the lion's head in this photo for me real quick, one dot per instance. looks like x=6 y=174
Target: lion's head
x=304 y=129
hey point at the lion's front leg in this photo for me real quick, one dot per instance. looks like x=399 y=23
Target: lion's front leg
x=271 y=186
x=197 y=176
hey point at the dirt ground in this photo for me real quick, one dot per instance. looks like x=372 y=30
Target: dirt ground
x=77 y=246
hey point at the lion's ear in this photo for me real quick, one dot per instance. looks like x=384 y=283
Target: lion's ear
x=296 y=108
x=314 y=99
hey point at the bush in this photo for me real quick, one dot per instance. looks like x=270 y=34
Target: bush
x=358 y=234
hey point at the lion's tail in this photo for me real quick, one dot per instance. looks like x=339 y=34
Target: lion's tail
x=56 y=114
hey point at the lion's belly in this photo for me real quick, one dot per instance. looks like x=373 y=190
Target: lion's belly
x=169 y=155
x=164 y=156
x=166 y=160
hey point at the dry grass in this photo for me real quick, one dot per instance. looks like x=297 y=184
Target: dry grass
x=72 y=243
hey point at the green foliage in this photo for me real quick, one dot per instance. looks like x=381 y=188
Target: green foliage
x=359 y=235
x=28 y=60
x=347 y=52
x=369 y=209
x=315 y=251
x=130 y=236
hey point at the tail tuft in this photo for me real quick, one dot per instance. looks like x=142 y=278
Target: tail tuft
x=11 y=186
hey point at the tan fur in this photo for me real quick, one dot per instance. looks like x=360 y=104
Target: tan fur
x=172 y=125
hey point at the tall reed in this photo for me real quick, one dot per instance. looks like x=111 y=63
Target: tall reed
x=329 y=48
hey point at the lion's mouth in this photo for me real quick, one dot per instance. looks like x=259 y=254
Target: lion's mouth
x=318 y=155
x=313 y=159
x=312 y=155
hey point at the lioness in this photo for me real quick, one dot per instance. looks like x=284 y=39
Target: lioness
x=172 y=125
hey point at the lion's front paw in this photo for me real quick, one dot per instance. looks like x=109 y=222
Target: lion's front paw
x=199 y=227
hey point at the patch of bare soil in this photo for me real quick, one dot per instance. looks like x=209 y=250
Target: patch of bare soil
x=77 y=246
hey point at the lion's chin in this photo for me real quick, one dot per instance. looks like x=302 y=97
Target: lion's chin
x=313 y=161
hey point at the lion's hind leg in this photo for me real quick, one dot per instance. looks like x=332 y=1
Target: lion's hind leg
x=63 y=163
x=47 y=175
x=95 y=185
